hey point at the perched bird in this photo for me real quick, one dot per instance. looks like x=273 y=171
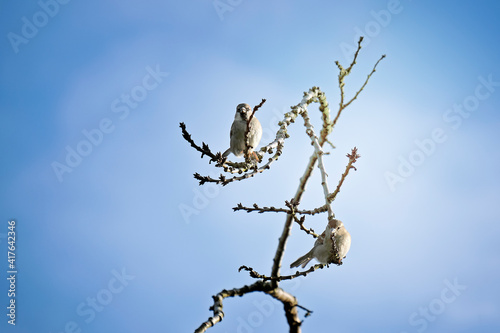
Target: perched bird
x=238 y=129
x=323 y=249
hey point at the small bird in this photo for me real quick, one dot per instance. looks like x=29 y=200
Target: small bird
x=238 y=129
x=323 y=249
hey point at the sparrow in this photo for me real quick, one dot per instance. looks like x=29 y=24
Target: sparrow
x=323 y=249
x=238 y=129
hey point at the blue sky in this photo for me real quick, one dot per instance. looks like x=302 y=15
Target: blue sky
x=102 y=244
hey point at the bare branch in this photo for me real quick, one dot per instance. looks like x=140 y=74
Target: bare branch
x=292 y=210
x=343 y=73
x=260 y=210
x=308 y=312
x=319 y=152
x=223 y=180
x=353 y=156
x=366 y=82
x=300 y=222
x=247 y=132
x=217 y=307
x=348 y=70
x=204 y=150
x=325 y=116
x=289 y=303
x=256 y=275
x=290 y=306
x=292 y=204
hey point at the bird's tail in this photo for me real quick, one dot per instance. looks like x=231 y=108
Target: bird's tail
x=304 y=260
x=227 y=152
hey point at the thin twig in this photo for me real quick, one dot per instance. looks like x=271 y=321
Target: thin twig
x=260 y=210
x=345 y=72
x=353 y=156
x=256 y=275
x=223 y=180
x=366 y=82
x=319 y=152
x=308 y=312
x=204 y=150
x=247 y=132
x=300 y=222
x=325 y=116
x=293 y=208
x=348 y=70
x=292 y=211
